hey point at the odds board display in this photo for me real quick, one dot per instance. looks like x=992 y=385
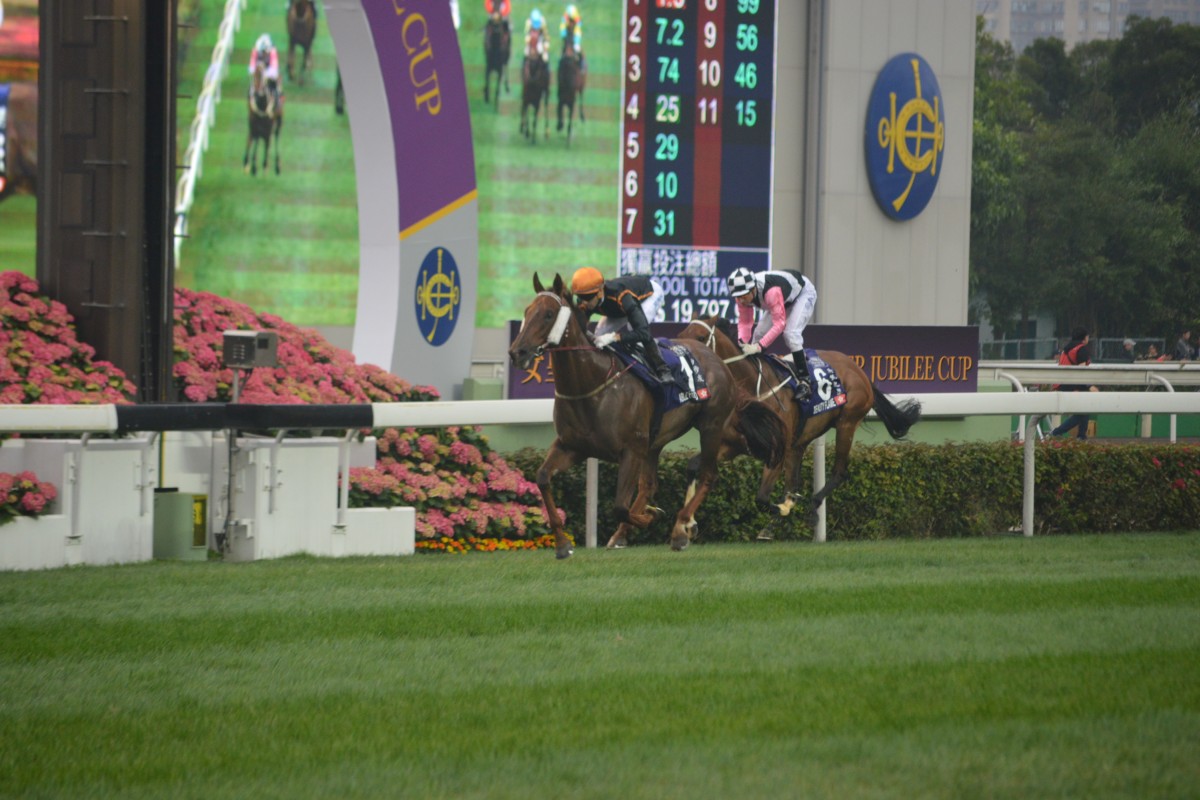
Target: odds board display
x=696 y=146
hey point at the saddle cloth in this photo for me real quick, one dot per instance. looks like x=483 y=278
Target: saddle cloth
x=688 y=385
x=827 y=394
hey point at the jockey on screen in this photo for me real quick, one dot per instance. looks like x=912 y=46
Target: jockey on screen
x=265 y=53
x=629 y=303
x=535 y=37
x=499 y=9
x=571 y=28
x=787 y=300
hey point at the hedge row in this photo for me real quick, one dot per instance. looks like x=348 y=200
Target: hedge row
x=926 y=491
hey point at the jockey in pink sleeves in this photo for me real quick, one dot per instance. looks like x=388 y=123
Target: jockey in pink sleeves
x=787 y=300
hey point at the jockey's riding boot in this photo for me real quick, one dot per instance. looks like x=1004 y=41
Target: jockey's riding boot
x=655 y=360
x=800 y=368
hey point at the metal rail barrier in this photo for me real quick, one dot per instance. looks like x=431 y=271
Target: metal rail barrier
x=217 y=416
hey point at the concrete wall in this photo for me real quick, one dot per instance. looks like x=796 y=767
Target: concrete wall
x=868 y=268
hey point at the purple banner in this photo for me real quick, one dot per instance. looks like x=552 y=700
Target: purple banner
x=431 y=128
x=905 y=359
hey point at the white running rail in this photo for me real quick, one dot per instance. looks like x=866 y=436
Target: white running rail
x=206 y=112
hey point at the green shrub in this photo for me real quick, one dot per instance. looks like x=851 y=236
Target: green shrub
x=925 y=491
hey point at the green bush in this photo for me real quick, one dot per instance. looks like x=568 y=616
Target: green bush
x=925 y=491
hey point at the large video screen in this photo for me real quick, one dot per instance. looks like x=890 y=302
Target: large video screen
x=19 y=56
x=285 y=239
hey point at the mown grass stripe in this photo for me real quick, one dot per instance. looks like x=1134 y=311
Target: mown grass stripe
x=1003 y=668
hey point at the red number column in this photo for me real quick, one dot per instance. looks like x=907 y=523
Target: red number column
x=633 y=138
x=710 y=75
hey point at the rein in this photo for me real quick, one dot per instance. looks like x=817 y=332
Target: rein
x=599 y=388
x=710 y=343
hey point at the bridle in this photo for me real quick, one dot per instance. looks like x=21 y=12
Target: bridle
x=554 y=342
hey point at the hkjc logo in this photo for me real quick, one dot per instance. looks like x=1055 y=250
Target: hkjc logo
x=904 y=136
x=438 y=296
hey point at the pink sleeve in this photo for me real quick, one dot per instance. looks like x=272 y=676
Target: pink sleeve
x=745 y=323
x=253 y=60
x=274 y=59
x=773 y=302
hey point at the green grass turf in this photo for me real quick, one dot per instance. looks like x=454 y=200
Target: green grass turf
x=1065 y=666
x=288 y=245
x=18 y=234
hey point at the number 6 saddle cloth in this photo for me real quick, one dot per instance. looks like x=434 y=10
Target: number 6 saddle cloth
x=827 y=393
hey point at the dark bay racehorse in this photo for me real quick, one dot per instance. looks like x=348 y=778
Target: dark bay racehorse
x=497 y=49
x=572 y=78
x=18 y=138
x=760 y=377
x=602 y=410
x=266 y=119
x=535 y=94
x=302 y=28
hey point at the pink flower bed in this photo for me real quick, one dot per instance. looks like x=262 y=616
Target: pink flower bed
x=43 y=361
x=466 y=497
x=23 y=495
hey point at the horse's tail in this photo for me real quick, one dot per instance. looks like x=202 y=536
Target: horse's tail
x=763 y=430
x=896 y=418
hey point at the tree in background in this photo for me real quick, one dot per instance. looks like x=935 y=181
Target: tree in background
x=1086 y=182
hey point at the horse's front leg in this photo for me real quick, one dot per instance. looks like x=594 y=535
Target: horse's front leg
x=557 y=459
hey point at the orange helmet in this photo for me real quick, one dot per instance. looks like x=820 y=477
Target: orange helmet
x=587 y=280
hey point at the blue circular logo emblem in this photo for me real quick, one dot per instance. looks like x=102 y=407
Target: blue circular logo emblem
x=905 y=136
x=438 y=296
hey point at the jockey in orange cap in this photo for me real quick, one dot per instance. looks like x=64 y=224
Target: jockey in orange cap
x=629 y=304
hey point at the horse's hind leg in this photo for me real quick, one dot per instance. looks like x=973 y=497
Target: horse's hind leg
x=703 y=469
x=633 y=507
x=841 y=468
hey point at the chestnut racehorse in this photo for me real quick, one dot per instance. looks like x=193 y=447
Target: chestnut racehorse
x=497 y=49
x=302 y=29
x=602 y=410
x=265 y=121
x=759 y=376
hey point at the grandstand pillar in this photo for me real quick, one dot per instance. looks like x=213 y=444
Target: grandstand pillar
x=106 y=172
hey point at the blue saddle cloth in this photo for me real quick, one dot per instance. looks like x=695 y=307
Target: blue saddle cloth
x=688 y=385
x=827 y=394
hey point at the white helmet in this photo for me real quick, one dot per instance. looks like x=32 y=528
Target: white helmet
x=741 y=281
x=263 y=45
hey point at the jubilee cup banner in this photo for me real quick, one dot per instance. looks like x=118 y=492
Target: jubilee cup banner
x=901 y=359
x=417 y=199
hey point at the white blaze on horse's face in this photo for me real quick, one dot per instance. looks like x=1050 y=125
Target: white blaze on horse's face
x=560 y=324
